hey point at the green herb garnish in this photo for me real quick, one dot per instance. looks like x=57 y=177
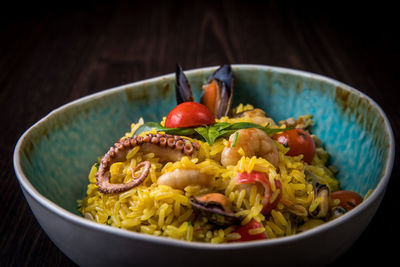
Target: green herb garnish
x=224 y=129
x=148 y=126
x=208 y=133
x=235 y=138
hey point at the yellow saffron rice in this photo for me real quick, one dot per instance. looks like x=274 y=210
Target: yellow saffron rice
x=164 y=211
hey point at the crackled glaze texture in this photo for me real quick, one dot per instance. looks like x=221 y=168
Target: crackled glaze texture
x=350 y=128
x=60 y=150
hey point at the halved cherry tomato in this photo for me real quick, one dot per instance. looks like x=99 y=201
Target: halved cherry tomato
x=299 y=142
x=261 y=177
x=348 y=199
x=189 y=114
x=243 y=230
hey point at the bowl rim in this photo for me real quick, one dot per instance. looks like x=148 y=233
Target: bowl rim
x=28 y=188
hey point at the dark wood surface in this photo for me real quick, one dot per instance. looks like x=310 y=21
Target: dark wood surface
x=51 y=54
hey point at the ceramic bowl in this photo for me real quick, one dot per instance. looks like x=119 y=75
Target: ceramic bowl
x=52 y=160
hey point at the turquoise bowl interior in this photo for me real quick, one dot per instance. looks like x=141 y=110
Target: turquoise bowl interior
x=53 y=158
x=57 y=153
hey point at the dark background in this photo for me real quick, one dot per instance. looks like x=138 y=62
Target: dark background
x=52 y=53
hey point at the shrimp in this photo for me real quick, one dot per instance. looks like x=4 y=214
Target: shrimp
x=180 y=178
x=254 y=142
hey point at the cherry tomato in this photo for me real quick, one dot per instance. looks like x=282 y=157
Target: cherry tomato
x=189 y=114
x=299 y=142
x=243 y=230
x=261 y=177
x=348 y=199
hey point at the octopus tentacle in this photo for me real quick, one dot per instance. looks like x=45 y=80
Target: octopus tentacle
x=106 y=187
x=166 y=147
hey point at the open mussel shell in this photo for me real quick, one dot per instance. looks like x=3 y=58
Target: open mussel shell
x=224 y=75
x=217 y=94
x=214 y=210
x=222 y=104
x=321 y=191
x=182 y=87
x=336 y=212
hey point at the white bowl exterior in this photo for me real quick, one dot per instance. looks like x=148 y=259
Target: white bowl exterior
x=114 y=249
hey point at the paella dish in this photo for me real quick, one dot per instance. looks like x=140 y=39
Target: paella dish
x=208 y=172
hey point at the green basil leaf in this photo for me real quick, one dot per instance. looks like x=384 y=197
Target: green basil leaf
x=244 y=125
x=213 y=134
x=219 y=126
x=148 y=126
x=203 y=131
x=226 y=133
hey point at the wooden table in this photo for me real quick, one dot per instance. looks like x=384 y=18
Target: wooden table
x=53 y=53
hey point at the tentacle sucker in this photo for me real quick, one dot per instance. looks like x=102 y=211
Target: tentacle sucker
x=166 y=147
x=106 y=187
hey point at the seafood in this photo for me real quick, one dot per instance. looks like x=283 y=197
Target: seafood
x=167 y=148
x=216 y=207
x=103 y=180
x=182 y=87
x=217 y=94
x=254 y=142
x=256 y=115
x=205 y=174
x=322 y=197
x=302 y=122
x=180 y=178
x=336 y=212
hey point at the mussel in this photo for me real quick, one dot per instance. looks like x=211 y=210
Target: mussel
x=336 y=212
x=216 y=208
x=321 y=191
x=217 y=94
x=182 y=87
